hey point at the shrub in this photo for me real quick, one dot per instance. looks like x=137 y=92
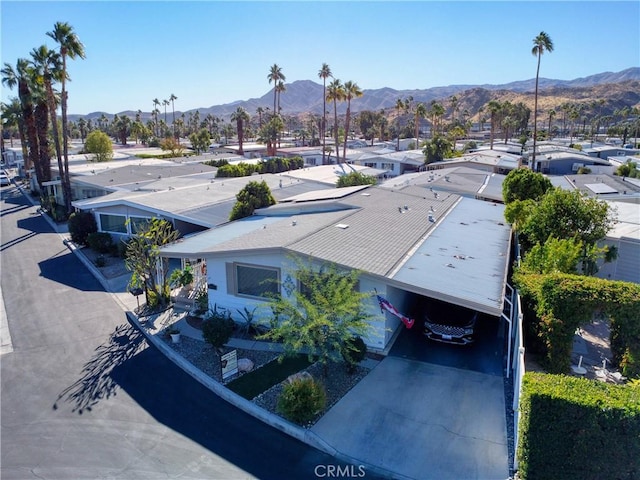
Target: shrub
x=81 y=224
x=353 y=352
x=217 y=329
x=302 y=399
x=602 y=420
x=101 y=242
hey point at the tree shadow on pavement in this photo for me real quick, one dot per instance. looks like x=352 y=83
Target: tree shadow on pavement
x=96 y=382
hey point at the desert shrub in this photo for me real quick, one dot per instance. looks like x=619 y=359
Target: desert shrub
x=101 y=242
x=302 y=399
x=217 y=329
x=353 y=352
x=81 y=224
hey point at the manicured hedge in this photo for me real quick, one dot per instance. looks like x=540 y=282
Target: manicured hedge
x=270 y=165
x=574 y=428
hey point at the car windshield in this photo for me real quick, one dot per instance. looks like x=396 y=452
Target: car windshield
x=447 y=314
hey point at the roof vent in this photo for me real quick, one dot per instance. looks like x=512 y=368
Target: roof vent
x=343 y=226
x=431 y=218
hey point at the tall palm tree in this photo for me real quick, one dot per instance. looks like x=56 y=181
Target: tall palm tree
x=280 y=87
x=275 y=76
x=12 y=119
x=542 y=43
x=399 y=110
x=259 y=111
x=351 y=90
x=324 y=73
x=493 y=107
x=155 y=113
x=335 y=94
x=436 y=111
x=552 y=113
x=72 y=47
x=165 y=103
x=172 y=98
x=48 y=64
x=240 y=116
x=20 y=77
x=420 y=111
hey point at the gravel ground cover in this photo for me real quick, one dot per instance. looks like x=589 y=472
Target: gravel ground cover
x=203 y=356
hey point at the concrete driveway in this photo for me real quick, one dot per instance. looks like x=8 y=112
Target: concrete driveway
x=423 y=421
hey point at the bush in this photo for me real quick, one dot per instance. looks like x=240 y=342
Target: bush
x=217 y=329
x=81 y=224
x=353 y=352
x=601 y=420
x=302 y=399
x=101 y=242
x=101 y=261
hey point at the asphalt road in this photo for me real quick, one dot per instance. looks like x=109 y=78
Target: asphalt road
x=83 y=396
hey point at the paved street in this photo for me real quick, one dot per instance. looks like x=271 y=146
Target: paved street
x=83 y=396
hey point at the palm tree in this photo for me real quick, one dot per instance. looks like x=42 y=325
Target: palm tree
x=542 y=43
x=70 y=46
x=324 y=73
x=420 y=111
x=280 y=87
x=259 y=111
x=351 y=90
x=155 y=113
x=12 y=119
x=335 y=94
x=436 y=111
x=493 y=107
x=552 y=113
x=20 y=77
x=49 y=67
x=240 y=116
x=165 y=103
x=453 y=101
x=172 y=98
x=275 y=76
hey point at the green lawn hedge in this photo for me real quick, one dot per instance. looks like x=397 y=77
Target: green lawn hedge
x=574 y=428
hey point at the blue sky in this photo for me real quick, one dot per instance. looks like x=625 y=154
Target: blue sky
x=210 y=53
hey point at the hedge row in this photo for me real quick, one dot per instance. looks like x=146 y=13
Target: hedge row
x=574 y=428
x=564 y=302
x=271 y=165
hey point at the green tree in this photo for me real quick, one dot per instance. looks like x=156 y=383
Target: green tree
x=437 y=149
x=240 y=116
x=71 y=47
x=200 y=140
x=254 y=195
x=149 y=270
x=172 y=144
x=553 y=256
x=523 y=184
x=322 y=315
x=324 y=73
x=100 y=145
x=494 y=108
x=352 y=179
x=542 y=43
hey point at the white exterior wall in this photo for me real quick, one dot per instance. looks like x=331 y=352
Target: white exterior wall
x=222 y=295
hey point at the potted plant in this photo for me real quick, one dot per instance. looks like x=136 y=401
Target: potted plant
x=174 y=333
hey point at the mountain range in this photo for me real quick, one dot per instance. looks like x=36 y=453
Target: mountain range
x=617 y=89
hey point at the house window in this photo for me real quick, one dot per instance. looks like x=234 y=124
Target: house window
x=138 y=223
x=113 y=223
x=253 y=281
x=370 y=164
x=387 y=166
